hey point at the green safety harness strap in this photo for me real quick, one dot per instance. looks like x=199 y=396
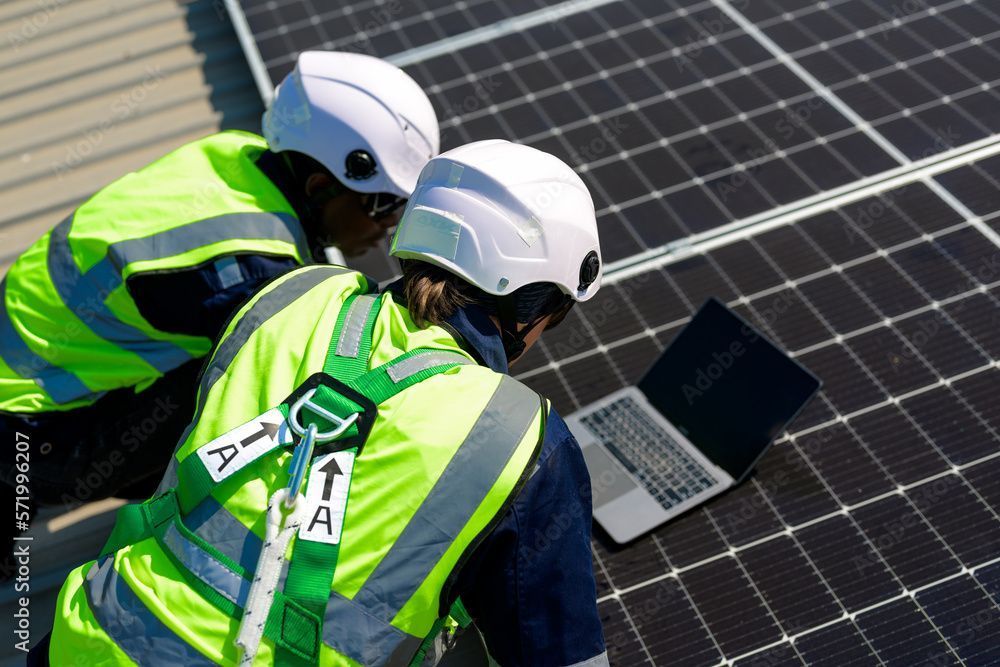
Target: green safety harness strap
x=457 y=620
x=198 y=483
x=155 y=517
x=310 y=573
x=295 y=620
x=313 y=564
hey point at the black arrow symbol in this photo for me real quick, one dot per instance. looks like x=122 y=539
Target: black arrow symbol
x=266 y=429
x=330 y=469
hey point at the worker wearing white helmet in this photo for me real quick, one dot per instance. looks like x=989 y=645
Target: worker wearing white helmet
x=353 y=131
x=105 y=320
x=497 y=244
x=426 y=483
x=477 y=213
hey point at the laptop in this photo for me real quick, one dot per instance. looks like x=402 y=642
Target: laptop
x=694 y=426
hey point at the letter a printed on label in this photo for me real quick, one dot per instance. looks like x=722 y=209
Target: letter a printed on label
x=234 y=450
x=326 y=497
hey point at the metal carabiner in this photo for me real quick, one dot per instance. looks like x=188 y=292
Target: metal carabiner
x=300 y=462
x=325 y=436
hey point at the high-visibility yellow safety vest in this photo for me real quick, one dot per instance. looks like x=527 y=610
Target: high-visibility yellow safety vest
x=437 y=451
x=70 y=331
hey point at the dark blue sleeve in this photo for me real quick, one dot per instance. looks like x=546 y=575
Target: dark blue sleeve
x=530 y=585
x=199 y=301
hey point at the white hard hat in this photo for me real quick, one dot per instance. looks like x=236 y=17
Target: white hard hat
x=501 y=216
x=362 y=118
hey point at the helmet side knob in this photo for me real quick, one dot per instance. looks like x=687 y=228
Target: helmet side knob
x=360 y=165
x=589 y=270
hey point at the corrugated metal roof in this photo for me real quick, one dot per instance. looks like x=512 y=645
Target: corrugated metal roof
x=90 y=90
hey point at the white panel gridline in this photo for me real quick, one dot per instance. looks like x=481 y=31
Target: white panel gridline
x=644 y=173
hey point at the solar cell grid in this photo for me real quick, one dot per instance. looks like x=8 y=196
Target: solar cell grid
x=722 y=592
x=669 y=625
x=922 y=73
x=624 y=645
x=989 y=579
x=843 y=263
x=966 y=617
x=689 y=128
x=848 y=563
x=846 y=466
x=283 y=28
x=627 y=40
x=977 y=186
x=869 y=533
x=901 y=634
x=904 y=403
x=836 y=645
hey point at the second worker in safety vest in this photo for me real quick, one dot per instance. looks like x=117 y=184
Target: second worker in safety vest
x=360 y=461
x=104 y=321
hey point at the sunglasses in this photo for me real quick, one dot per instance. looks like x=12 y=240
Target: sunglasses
x=380 y=205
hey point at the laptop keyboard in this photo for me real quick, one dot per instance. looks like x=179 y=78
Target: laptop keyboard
x=659 y=462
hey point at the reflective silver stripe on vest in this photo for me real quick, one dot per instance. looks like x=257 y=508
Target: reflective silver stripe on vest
x=360 y=636
x=199 y=563
x=131 y=625
x=597 y=661
x=421 y=362
x=360 y=628
x=217 y=526
x=470 y=475
x=354 y=632
x=229 y=227
x=263 y=309
x=85 y=295
x=61 y=385
x=354 y=326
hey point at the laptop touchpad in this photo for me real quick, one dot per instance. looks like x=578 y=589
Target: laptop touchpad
x=607 y=479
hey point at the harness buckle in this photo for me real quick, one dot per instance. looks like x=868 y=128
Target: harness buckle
x=326 y=436
x=309 y=436
x=350 y=413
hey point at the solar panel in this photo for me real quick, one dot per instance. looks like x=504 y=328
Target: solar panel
x=922 y=73
x=830 y=170
x=871 y=495
x=675 y=131
x=283 y=28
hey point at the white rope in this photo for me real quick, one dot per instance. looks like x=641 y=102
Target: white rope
x=281 y=525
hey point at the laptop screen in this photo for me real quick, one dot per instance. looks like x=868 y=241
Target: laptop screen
x=727 y=388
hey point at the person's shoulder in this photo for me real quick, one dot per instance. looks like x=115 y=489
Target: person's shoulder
x=556 y=428
x=559 y=440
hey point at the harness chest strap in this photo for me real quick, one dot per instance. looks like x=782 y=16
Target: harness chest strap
x=296 y=618
x=313 y=562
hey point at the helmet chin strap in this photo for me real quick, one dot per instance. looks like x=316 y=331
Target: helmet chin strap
x=513 y=340
x=314 y=210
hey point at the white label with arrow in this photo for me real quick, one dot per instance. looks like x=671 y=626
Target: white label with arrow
x=234 y=450
x=326 y=497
